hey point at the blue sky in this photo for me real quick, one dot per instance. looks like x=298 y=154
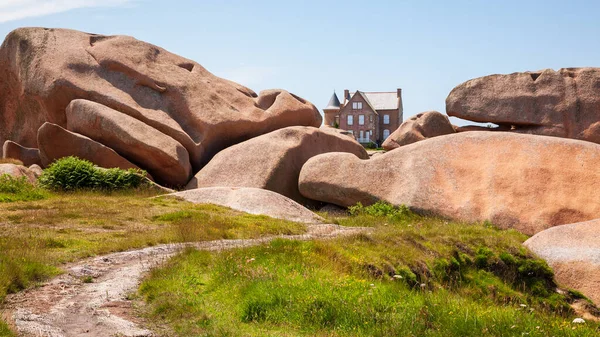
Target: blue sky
x=313 y=47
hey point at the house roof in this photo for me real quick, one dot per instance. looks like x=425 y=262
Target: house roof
x=334 y=102
x=381 y=100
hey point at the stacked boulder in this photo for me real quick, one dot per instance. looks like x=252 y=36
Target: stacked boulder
x=120 y=102
x=104 y=87
x=563 y=103
x=273 y=161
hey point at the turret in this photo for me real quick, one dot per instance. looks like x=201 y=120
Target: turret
x=332 y=111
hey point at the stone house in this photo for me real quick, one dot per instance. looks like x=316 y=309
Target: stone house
x=370 y=116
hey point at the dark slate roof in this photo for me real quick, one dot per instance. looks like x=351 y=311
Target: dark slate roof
x=334 y=102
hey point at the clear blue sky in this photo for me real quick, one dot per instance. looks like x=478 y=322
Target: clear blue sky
x=313 y=47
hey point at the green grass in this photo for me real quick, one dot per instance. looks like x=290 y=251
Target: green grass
x=38 y=236
x=19 y=189
x=414 y=276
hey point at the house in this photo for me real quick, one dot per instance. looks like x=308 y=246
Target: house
x=370 y=116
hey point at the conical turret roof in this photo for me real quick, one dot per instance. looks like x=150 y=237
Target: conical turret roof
x=334 y=102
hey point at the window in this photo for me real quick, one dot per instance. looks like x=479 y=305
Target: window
x=371 y=118
x=361 y=119
x=386 y=133
x=362 y=135
x=386 y=119
x=356 y=105
x=350 y=120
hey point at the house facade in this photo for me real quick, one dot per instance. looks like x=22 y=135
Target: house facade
x=369 y=116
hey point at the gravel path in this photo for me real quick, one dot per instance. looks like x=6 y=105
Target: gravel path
x=66 y=306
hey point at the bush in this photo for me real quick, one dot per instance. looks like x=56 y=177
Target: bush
x=72 y=173
x=18 y=189
x=379 y=209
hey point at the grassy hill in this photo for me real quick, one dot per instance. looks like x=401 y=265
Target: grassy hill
x=413 y=276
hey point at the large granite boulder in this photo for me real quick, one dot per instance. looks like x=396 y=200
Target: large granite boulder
x=251 y=200
x=162 y=156
x=573 y=251
x=28 y=156
x=515 y=181
x=56 y=142
x=273 y=161
x=563 y=103
x=419 y=127
x=43 y=70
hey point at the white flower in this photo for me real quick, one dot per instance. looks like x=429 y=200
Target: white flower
x=578 y=321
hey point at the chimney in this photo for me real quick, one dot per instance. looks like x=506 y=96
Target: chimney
x=399 y=92
x=346 y=95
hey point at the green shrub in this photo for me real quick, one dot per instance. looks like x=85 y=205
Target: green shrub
x=18 y=189
x=72 y=173
x=380 y=209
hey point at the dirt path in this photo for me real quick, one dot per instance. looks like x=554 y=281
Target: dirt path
x=67 y=306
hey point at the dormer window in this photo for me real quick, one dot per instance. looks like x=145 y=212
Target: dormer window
x=356 y=105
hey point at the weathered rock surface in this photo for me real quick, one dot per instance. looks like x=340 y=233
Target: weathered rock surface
x=251 y=200
x=573 y=251
x=43 y=70
x=36 y=170
x=57 y=142
x=18 y=171
x=337 y=130
x=273 y=161
x=516 y=181
x=164 y=158
x=28 y=156
x=563 y=103
x=422 y=126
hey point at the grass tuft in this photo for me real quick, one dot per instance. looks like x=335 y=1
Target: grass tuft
x=19 y=189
